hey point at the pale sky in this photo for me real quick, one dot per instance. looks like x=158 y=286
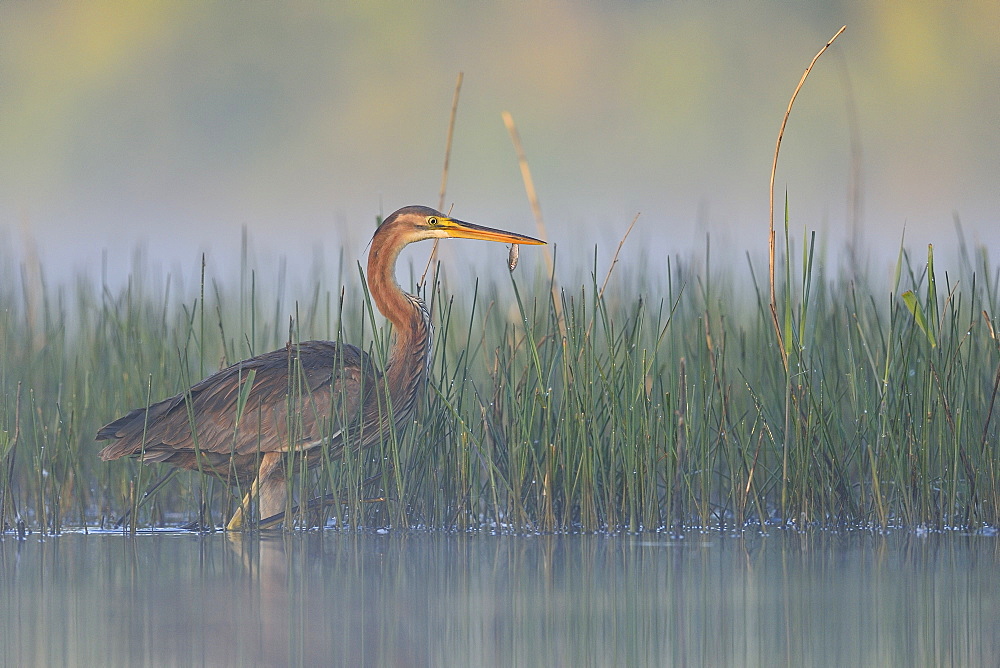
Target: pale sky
x=173 y=125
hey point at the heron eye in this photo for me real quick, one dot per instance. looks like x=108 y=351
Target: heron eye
x=432 y=221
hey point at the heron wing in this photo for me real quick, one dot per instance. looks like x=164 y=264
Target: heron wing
x=293 y=398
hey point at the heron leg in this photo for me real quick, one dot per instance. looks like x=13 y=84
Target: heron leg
x=268 y=487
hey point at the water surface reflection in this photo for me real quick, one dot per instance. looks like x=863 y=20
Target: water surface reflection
x=417 y=599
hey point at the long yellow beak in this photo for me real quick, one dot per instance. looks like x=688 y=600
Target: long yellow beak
x=462 y=230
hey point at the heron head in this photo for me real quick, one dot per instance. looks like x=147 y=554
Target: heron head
x=415 y=223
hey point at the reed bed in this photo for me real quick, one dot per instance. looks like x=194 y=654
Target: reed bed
x=666 y=397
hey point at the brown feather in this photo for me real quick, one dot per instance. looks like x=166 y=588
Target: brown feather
x=324 y=384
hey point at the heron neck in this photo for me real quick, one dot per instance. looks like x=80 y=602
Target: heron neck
x=409 y=353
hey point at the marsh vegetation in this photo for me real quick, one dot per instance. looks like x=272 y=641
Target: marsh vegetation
x=641 y=397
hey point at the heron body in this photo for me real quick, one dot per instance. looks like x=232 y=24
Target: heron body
x=311 y=398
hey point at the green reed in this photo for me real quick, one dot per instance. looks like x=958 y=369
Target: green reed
x=663 y=398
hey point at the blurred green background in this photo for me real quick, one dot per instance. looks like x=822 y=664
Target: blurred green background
x=175 y=124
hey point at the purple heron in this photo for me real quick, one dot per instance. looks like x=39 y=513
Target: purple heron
x=310 y=398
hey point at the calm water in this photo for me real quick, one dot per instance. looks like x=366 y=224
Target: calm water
x=429 y=599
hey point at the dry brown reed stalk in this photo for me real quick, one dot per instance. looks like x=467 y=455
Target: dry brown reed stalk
x=536 y=210
x=607 y=277
x=529 y=183
x=774 y=169
x=451 y=135
x=444 y=170
x=614 y=260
